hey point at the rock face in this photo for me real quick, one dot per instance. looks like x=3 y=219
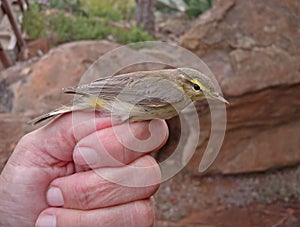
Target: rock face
x=254 y=215
x=253 y=49
x=62 y=67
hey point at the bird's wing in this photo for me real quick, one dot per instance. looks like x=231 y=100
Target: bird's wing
x=151 y=90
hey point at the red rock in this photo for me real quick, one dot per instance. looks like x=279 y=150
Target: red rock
x=61 y=67
x=12 y=129
x=253 y=215
x=256 y=59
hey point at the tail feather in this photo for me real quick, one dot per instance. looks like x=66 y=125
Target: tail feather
x=52 y=114
x=74 y=91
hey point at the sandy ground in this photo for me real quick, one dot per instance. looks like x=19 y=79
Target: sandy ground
x=184 y=194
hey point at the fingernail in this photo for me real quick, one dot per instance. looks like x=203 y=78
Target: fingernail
x=89 y=156
x=54 y=197
x=46 y=221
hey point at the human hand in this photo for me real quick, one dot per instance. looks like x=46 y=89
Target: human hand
x=48 y=180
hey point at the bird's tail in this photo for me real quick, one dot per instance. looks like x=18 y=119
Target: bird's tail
x=52 y=114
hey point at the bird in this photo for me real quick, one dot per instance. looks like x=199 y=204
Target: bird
x=140 y=96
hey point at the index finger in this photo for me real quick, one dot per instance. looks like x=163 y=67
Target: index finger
x=121 y=144
x=64 y=134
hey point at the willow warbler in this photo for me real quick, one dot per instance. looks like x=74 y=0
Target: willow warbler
x=139 y=96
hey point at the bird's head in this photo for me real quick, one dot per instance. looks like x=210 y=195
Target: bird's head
x=199 y=86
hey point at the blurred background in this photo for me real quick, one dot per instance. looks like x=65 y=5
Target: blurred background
x=251 y=46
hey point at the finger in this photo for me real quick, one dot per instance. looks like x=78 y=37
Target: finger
x=55 y=142
x=139 y=213
x=108 y=147
x=106 y=186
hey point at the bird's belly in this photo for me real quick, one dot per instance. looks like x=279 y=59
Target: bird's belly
x=163 y=112
x=128 y=111
x=148 y=113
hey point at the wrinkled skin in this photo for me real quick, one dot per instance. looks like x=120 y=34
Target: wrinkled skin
x=48 y=180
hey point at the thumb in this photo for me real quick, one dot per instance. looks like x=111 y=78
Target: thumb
x=55 y=142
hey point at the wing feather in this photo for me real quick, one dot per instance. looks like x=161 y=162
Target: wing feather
x=148 y=90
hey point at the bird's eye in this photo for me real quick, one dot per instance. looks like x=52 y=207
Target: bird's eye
x=196 y=87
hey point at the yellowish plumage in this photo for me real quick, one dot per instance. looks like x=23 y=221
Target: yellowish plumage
x=139 y=96
x=96 y=102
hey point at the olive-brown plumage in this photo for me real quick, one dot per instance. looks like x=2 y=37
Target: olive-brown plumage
x=142 y=95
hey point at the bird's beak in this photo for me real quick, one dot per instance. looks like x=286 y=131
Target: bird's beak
x=219 y=98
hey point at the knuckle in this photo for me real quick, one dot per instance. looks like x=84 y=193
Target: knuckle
x=145 y=173
x=26 y=139
x=29 y=144
x=154 y=167
x=83 y=196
